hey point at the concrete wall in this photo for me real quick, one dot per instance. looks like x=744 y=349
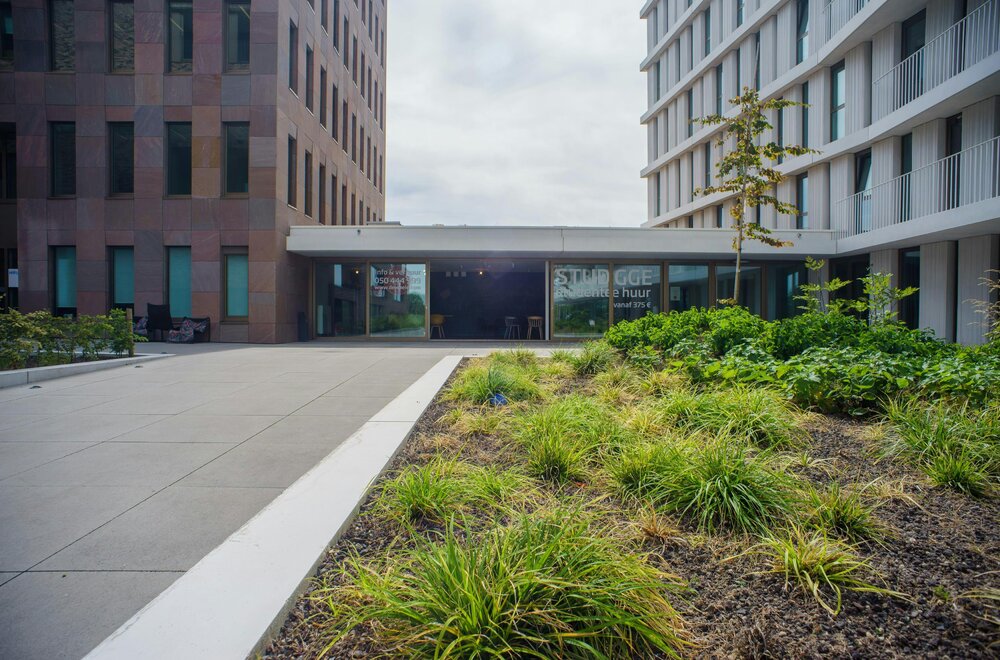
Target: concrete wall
x=976 y=258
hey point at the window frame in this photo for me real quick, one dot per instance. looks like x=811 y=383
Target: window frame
x=113 y=251
x=51 y=24
x=112 y=69
x=838 y=102
x=54 y=192
x=227 y=254
x=238 y=67
x=167 y=189
x=112 y=161
x=307 y=165
x=292 y=173
x=293 y=58
x=226 y=128
x=183 y=66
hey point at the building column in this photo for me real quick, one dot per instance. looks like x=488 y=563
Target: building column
x=976 y=256
x=937 y=288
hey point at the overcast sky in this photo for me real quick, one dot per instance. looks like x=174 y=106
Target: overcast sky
x=515 y=112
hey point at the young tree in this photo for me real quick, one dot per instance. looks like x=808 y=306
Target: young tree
x=746 y=172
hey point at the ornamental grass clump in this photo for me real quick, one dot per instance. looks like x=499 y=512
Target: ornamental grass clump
x=593 y=358
x=723 y=487
x=482 y=382
x=843 y=513
x=495 y=487
x=549 y=585
x=822 y=568
x=640 y=472
x=422 y=493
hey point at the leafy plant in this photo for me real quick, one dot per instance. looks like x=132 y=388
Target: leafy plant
x=841 y=512
x=546 y=586
x=593 y=357
x=429 y=492
x=479 y=383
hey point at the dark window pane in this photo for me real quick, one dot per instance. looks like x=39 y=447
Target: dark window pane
x=62 y=33
x=180 y=36
x=309 y=182
x=309 y=78
x=122 y=150
x=293 y=57
x=237 y=286
x=292 y=171
x=179 y=281
x=63 y=159
x=8 y=162
x=581 y=295
x=179 y=159
x=64 y=280
x=122 y=277
x=122 y=36
x=237 y=158
x=238 y=35
x=6 y=35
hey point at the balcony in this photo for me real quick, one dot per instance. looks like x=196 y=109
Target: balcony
x=970 y=176
x=839 y=12
x=967 y=42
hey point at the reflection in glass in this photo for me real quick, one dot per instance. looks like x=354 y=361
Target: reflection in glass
x=637 y=291
x=62 y=35
x=725 y=279
x=688 y=286
x=122 y=36
x=783 y=284
x=180 y=36
x=580 y=300
x=340 y=300
x=398 y=300
x=238 y=35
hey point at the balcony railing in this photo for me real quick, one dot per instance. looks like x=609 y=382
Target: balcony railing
x=967 y=42
x=838 y=12
x=970 y=176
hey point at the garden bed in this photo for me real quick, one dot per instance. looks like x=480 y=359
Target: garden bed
x=609 y=453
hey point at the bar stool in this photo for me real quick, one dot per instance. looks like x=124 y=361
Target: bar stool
x=511 y=328
x=437 y=322
x=535 y=323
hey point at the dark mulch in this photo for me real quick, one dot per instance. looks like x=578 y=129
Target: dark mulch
x=941 y=546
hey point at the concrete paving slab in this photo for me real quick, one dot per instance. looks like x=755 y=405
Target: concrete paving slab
x=81 y=427
x=48 y=404
x=276 y=404
x=39 y=521
x=325 y=430
x=79 y=610
x=361 y=386
x=16 y=457
x=170 y=531
x=341 y=406
x=10 y=421
x=145 y=464
x=256 y=465
x=7 y=577
x=188 y=427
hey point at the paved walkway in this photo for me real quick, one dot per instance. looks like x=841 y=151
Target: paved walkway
x=113 y=484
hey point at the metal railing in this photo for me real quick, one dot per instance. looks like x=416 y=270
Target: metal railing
x=967 y=42
x=970 y=176
x=838 y=12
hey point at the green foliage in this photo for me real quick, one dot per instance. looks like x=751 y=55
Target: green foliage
x=824 y=569
x=548 y=585
x=792 y=336
x=594 y=357
x=640 y=472
x=41 y=339
x=719 y=329
x=843 y=513
x=428 y=492
x=480 y=382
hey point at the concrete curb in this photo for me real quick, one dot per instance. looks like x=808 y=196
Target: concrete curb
x=17 y=377
x=231 y=602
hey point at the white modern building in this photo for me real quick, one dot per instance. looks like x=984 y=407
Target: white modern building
x=904 y=108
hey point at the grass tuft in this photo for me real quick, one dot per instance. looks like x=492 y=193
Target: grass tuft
x=545 y=586
x=422 y=493
x=843 y=513
x=593 y=358
x=479 y=382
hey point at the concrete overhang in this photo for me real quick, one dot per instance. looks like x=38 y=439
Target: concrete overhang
x=395 y=241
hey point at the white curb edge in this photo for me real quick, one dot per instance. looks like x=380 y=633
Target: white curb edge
x=16 y=377
x=230 y=603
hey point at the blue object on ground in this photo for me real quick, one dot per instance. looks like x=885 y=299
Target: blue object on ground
x=498 y=399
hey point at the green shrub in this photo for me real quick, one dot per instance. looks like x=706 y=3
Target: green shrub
x=478 y=383
x=824 y=569
x=792 y=336
x=546 y=586
x=41 y=339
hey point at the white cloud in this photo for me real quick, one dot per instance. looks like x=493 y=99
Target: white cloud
x=515 y=112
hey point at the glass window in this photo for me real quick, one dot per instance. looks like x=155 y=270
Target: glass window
x=707 y=163
x=802 y=201
x=62 y=35
x=354 y=60
x=914 y=34
x=340 y=300
x=707 y=25
x=718 y=216
x=750 y=280
x=122 y=36
x=321 y=207
x=801 y=30
x=347 y=29
x=179 y=158
x=122 y=147
x=122 y=277
x=8 y=161
x=309 y=78
x=863 y=185
x=309 y=184
x=322 y=96
x=293 y=174
x=740 y=8
x=236 y=159
x=344 y=128
x=718 y=89
x=179 y=281
x=398 y=300
x=336 y=24
x=657 y=72
x=64 y=280
x=838 y=101
x=237 y=286
x=324 y=13
x=334 y=101
x=237 y=35
x=784 y=282
x=688 y=286
x=690 y=112
x=293 y=57
x=804 y=139
x=6 y=35
x=658 y=192
x=181 y=30
x=756 y=61
x=63 y=163
x=637 y=291
x=580 y=300
x=909 y=275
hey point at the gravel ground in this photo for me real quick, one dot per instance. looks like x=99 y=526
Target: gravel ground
x=939 y=547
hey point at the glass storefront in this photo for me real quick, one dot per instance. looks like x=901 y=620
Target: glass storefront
x=688 y=286
x=398 y=306
x=750 y=277
x=580 y=300
x=637 y=291
x=784 y=282
x=340 y=300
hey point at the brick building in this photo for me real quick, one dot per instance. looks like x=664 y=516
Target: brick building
x=159 y=151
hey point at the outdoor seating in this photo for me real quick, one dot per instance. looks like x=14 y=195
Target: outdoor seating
x=158 y=320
